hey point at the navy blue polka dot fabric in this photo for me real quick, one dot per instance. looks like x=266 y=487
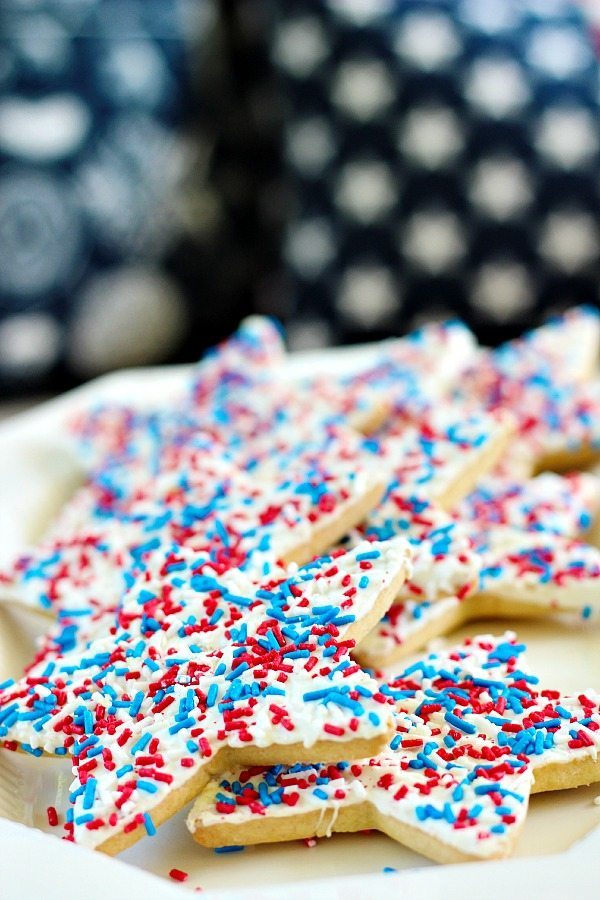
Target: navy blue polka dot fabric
x=443 y=157
x=108 y=218
x=353 y=166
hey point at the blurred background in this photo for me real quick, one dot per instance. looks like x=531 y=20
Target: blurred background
x=353 y=167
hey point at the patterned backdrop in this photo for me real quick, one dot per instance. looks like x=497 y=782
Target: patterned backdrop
x=444 y=157
x=111 y=231
x=352 y=166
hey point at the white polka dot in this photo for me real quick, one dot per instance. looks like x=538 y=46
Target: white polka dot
x=362 y=89
x=489 y=16
x=500 y=188
x=29 y=344
x=134 y=72
x=366 y=191
x=310 y=145
x=431 y=136
x=308 y=334
x=310 y=247
x=125 y=317
x=568 y=137
x=496 y=86
x=502 y=290
x=300 y=46
x=569 y=240
x=360 y=12
x=43 y=130
x=433 y=241
x=368 y=295
x=42 y=43
x=428 y=40
x=558 y=51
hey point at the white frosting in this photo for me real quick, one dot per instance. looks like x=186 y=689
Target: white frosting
x=463 y=762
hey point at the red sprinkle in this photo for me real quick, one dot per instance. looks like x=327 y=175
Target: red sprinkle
x=333 y=729
x=178 y=875
x=52 y=816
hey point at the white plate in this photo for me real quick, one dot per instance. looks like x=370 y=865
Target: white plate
x=559 y=850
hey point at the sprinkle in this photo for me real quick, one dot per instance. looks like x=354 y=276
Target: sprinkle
x=459 y=723
x=52 y=816
x=90 y=793
x=178 y=875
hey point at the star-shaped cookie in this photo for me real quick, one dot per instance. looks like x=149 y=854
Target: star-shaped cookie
x=203 y=668
x=475 y=736
x=481 y=566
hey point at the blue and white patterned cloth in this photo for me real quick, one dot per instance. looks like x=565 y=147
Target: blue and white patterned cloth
x=444 y=157
x=103 y=212
x=352 y=166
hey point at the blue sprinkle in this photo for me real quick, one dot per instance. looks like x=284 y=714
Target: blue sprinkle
x=136 y=704
x=145 y=596
x=369 y=554
x=34 y=751
x=150 y=827
x=218 y=614
x=179 y=726
x=460 y=724
x=141 y=743
x=147 y=786
x=81 y=820
x=90 y=793
x=237 y=671
x=486 y=788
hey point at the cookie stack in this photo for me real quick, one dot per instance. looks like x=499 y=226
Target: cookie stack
x=233 y=561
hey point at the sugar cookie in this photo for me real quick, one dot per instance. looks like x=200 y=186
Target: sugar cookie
x=533 y=567
x=541 y=378
x=474 y=737
x=149 y=714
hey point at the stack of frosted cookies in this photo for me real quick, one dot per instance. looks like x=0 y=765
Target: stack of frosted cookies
x=241 y=597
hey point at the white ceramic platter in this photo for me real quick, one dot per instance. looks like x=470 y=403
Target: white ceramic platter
x=558 y=853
